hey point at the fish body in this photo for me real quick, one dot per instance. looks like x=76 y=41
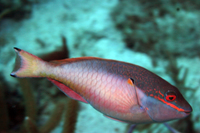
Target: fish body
x=122 y=91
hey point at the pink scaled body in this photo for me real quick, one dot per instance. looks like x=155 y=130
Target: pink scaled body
x=119 y=90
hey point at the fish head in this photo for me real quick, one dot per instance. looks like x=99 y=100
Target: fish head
x=165 y=105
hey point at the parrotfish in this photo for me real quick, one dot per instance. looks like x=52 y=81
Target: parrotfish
x=119 y=90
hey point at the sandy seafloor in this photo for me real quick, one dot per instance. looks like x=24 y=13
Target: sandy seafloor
x=80 y=21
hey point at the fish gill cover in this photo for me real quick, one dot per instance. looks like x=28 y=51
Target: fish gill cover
x=162 y=36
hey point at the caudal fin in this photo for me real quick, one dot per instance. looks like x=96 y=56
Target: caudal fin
x=27 y=65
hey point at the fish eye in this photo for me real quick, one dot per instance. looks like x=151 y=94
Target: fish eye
x=170 y=96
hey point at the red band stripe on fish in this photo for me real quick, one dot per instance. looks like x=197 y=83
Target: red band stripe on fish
x=171 y=105
x=161 y=94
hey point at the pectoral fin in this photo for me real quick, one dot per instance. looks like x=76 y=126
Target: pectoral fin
x=69 y=92
x=130 y=81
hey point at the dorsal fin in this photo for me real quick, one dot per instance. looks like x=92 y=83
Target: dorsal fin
x=70 y=60
x=69 y=92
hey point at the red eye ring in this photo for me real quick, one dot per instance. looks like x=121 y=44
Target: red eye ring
x=170 y=96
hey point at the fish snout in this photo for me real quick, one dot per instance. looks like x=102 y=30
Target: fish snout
x=188 y=110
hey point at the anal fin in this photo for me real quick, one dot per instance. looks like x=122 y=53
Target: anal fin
x=69 y=92
x=113 y=118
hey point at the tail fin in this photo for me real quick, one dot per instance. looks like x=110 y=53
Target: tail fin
x=27 y=65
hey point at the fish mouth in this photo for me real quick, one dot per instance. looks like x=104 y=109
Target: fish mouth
x=187 y=112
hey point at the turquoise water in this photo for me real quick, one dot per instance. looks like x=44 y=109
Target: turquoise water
x=162 y=36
